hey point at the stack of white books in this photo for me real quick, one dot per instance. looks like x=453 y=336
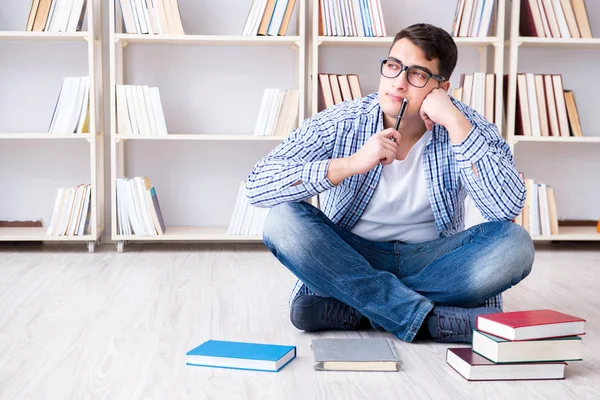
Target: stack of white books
x=153 y=17
x=278 y=112
x=139 y=111
x=246 y=218
x=56 y=15
x=71 y=213
x=71 y=113
x=138 y=210
x=268 y=17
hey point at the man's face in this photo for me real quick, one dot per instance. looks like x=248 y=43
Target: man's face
x=393 y=90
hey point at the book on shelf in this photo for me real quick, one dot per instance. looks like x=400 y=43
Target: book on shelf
x=544 y=107
x=156 y=17
x=72 y=110
x=138 y=209
x=337 y=88
x=278 y=113
x=56 y=15
x=351 y=18
x=499 y=350
x=246 y=219
x=71 y=212
x=268 y=18
x=554 y=19
x=539 y=216
x=365 y=354
x=530 y=324
x=472 y=18
x=139 y=111
x=478 y=91
x=241 y=355
x=474 y=367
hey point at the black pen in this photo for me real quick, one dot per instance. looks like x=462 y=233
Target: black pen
x=400 y=115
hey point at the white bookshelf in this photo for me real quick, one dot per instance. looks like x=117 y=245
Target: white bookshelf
x=517 y=42
x=293 y=41
x=91 y=35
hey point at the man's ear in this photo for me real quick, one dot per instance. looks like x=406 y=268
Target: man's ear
x=445 y=85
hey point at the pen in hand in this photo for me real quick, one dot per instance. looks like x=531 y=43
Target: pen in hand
x=400 y=115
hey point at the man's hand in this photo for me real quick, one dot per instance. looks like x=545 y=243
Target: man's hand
x=380 y=148
x=437 y=108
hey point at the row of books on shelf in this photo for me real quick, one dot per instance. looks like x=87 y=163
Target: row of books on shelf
x=337 y=88
x=153 y=17
x=139 y=110
x=351 y=18
x=554 y=19
x=278 y=112
x=478 y=91
x=138 y=210
x=539 y=215
x=545 y=108
x=246 y=219
x=71 y=212
x=72 y=110
x=268 y=17
x=472 y=18
x=520 y=345
x=56 y=15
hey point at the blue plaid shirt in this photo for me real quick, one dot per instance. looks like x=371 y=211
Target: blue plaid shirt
x=339 y=131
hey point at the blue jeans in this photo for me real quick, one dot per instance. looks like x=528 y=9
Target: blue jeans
x=396 y=284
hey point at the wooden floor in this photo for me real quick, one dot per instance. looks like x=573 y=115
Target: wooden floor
x=75 y=325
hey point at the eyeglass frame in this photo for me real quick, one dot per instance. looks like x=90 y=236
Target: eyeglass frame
x=403 y=68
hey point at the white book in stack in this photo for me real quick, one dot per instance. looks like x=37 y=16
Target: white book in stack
x=278 y=112
x=138 y=210
x=139 y=111
x=154 y=17
x=71 y=113
x=71 y=212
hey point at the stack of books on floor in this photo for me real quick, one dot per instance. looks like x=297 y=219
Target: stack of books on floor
x=56 y=15
x=157 y=17
x=72 y=109
x=268 y=17
x=539 y=215
x=337 y=88
x=544 y=108
x=139 y=111
x=478 y=91
x=278 y=112
x=472 y=18
x=351 y=18
x=521 y=345
x=246 y=219
x=555 y=19
x=138 y=210
x=71 y=213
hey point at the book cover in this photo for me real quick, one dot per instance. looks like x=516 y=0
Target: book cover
x=241 y=355
x=474 y=367
x=530 y=324
x=370 y=354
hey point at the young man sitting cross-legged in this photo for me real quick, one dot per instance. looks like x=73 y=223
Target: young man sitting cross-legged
x=389 y=248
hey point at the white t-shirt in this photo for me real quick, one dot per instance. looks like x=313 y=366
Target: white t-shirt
x=400 y=208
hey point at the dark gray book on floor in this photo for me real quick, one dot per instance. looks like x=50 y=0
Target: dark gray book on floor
x=367 y=354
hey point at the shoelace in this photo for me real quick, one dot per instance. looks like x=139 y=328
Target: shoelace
x=454 y=325
x=340 y=313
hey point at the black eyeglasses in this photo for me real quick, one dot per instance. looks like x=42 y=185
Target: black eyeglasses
x=416 y=76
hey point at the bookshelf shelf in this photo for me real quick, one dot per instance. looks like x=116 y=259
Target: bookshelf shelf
x=194 y=233
x=44 y=36
x=216 y=40
x=249 y=138
x=93 y=59
x=526 y=41
x=386 y=41
x=572 y=233
x=557 y=139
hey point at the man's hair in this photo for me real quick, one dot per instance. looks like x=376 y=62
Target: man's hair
x=435 y=42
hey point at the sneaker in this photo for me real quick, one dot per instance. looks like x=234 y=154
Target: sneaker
x=313 y=313
x=455 y=324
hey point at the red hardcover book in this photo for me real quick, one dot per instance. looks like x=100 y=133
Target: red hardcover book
x=474 y=367
x=531 y=324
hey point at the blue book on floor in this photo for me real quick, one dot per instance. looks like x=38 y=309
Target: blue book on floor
x=241 y=355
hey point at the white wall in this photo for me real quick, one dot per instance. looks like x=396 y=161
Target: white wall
x=218 y=90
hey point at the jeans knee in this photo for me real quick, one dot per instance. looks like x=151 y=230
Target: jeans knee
x=519 y=249
x=281 y=223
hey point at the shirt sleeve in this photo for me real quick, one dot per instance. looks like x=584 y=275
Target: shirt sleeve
x=297 y=168
x=497 y=189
